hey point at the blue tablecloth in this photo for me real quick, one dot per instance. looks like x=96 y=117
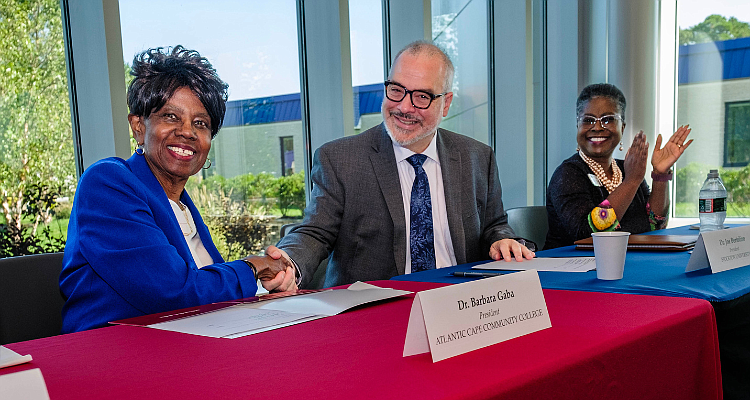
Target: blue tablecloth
x=646 y=272
x=660 y=274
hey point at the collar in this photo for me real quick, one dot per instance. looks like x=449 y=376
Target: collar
x=402 y=153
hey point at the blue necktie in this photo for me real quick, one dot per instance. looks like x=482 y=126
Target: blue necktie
x=421 y=237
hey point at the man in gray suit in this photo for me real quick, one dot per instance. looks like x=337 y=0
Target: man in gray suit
x=380 y=208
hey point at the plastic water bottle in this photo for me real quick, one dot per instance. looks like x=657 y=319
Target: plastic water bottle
x=712 y=203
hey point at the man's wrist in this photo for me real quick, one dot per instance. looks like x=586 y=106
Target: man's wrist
x=527 y=243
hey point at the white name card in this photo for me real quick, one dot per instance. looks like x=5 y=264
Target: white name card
x=27 y=385
x=721 y=250
x=457 y=319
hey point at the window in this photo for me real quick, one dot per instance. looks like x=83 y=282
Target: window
x=713 y=96
x=366 y=42
x=287 y=155
x=37 y=167
x=737 y=134
x=460 y=28
x=255 y=183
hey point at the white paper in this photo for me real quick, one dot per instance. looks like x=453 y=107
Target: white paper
x=27 y=385
x=722 y=250
x=250 y=318
x=231 y=321
x=561 y=264
x=9 y=358
x=468 y=316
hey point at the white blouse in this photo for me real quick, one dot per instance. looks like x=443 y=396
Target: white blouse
x=193 y=239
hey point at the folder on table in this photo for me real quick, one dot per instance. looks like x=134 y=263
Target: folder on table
x=649 y=242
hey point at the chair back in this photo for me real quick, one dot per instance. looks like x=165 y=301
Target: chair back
x=530 y=223
x=30 y=299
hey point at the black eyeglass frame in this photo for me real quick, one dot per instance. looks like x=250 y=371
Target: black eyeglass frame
x=411 y=94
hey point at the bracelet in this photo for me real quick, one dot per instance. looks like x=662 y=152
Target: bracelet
x=661 y=177
x=249 y=264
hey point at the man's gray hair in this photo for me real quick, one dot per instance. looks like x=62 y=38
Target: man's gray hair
x=431 y=49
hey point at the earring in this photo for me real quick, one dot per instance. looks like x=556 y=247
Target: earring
x=209 y=164
x=621 y=146
x=139 y=149
x=578 y=148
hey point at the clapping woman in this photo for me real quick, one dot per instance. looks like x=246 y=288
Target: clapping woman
x=591 y=191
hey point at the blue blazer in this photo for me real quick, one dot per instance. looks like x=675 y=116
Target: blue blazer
x=126 y=255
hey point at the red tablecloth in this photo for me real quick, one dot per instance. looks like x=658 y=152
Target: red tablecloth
x=601 y=345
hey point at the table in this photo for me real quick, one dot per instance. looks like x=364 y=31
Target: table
x=601 y=345
x=660 y=274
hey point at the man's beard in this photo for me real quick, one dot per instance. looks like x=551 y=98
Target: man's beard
x=404 y=142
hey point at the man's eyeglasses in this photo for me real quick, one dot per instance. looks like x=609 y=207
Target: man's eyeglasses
x=607 y=121
x=419 y=98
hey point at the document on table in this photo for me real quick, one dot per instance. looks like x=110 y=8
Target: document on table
x=9 y=358
x=250 y=318
x=561 y=264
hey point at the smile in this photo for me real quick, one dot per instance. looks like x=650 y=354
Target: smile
x=180 y=151
x=597 y=139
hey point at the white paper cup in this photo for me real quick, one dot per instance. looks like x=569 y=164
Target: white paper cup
x=609 y=250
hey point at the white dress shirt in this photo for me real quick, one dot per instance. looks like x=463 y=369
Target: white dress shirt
x=444 y=255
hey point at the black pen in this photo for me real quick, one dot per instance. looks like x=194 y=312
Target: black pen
x=477 y=274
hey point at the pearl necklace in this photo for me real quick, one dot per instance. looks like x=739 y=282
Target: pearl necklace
x=610 y=185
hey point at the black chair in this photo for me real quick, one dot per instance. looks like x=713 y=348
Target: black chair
x=30 y=299
x=319 y=278
x=530 y=223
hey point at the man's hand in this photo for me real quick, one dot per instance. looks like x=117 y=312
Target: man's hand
x=508 y=248
x=284 y=281
x=269 y=267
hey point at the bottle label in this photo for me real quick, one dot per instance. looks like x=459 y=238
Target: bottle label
x=712 y=205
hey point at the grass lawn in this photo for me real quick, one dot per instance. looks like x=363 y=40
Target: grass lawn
x=690 y=210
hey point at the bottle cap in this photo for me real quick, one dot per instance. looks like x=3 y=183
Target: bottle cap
x=714 y=173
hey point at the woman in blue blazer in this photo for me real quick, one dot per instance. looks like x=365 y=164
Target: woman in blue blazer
x=136 y=243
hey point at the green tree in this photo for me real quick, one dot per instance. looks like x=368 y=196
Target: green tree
x=714 y=28
x=36 y=146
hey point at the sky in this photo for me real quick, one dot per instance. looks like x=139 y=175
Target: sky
x=251 y=43
x=692 y=12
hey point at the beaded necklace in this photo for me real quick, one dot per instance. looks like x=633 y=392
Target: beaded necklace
x=610 y=185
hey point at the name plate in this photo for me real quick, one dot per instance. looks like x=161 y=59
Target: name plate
x=721 y=250
x=457 y=319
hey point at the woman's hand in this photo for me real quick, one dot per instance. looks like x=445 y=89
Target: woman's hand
x=664 y=158
x=636 y=158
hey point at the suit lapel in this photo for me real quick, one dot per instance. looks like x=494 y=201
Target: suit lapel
x=450 y=166
x=383 y=161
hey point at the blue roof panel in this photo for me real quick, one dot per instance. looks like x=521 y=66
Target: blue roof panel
x=714 y=61
x=287 y=107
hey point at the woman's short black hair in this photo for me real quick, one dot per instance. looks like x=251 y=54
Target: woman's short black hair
x=159 y=72
x=607 y=90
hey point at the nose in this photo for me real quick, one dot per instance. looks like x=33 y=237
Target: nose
x=406 y=105
x=187 y=130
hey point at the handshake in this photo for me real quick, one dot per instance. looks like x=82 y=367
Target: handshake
x=275 y=270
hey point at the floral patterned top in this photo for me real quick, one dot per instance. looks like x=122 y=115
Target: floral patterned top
x=577 y=206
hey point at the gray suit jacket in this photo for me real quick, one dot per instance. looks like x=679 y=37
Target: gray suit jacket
x=356 y=213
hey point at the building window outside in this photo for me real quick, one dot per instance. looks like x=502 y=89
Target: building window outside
x=37 y=163
x=287 y=155
x=737 y=134
x=713 y=96
x=248 y=192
